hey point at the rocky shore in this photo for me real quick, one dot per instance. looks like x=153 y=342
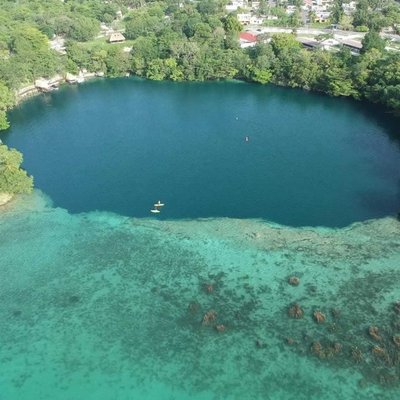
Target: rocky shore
x=5 y=198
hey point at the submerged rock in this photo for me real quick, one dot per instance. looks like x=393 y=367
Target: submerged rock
x=295 y=311
x=209 y=317
x=374 y=333
x=208 y=288
x=294 y=281
x=381 y=353
x=319 y=317
x=5 y=198
x=396 y=340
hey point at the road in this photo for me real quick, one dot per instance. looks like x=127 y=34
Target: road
x=358 y=36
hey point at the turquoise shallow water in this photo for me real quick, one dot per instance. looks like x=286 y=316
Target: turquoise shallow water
x=100 y=306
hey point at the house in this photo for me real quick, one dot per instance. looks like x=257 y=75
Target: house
x=322 y=16
x=244 y=19
x=235 y=4
x=247 y=39
x=323 y=3
x=349 y=8
x=309 y=44
x=290 y=9
x=327 y=44
x=353 y=45
x=116 y=37
x=254 y=20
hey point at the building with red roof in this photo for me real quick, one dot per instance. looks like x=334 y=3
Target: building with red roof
x=247 y=39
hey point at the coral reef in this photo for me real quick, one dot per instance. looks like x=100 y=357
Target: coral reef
x=396 y=340
x=357 y=355
x=337 y=347
x=209 y=317
x=317 y=349
x=220 y=328
x=374 y=333
x=319 y=317
x=295 y=311
x=294 y=281
x=381 y=353
x=328 y=351
x=208 y=288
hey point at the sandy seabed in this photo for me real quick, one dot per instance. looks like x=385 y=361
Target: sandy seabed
x=101 y=306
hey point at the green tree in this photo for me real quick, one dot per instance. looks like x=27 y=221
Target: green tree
x=362 y=14
x=231 y=24
x=83 y=29
x=336 y=12
x=156 y=70
x=363 y=69
x=383 y=84
x=294 y=19
x=172 y=69
x=31 y=56
x=117 y=62
x=260 y=75
x=13 y=179
x=6 y=102
x=372 y=40
x=142 y=23
x=282 y=41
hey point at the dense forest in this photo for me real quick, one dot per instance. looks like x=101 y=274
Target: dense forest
x=188 y=40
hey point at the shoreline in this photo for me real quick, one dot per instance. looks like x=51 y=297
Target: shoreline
x=57 y=81
x=38 y=201
x=42 y=85
x=5 y=198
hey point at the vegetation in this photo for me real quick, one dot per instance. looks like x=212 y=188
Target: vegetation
x=13 y=179
x=189 y=41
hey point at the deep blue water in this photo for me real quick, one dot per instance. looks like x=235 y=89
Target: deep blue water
x=120 y=145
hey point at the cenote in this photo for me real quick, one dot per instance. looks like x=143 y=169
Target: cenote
x=120 y=145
